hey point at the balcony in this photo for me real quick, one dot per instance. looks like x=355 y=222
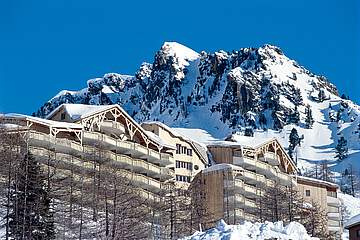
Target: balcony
x=331 y=201
x=252 y=178
x=139 y=165
x=247 y=190
x=250 y=217
x=147 y=183
x=286 y=179
x=244 y=162
x=38 y=139
x=112 y=127
x=167 y=159
x=250 y=204
x=270 y=157
x=235 y=216
x=67 y=146
x=236 y=201
x=334 y=216
x=134 y=149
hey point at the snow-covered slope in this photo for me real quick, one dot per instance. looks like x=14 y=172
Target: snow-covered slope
x=228 y=92
x=253 y=231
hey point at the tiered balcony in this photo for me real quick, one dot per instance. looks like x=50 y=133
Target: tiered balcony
x=66 y=161
x=134 y=149
x=264 y=168
x=138 y=165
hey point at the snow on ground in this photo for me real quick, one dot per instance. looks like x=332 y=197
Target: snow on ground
x=352 y=205
x=352 y=208
x=253 y=231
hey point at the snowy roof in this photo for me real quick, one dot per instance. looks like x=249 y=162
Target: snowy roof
x=352 y=221
x=199 y=147
x=251 y=142
x=158 y=140
x=47 y=122
x=221 y=166
x=205 y=138
x=79 y=111
x=318 y=181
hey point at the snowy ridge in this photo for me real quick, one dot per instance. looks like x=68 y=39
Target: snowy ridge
x=224 y=93
x=253 y=231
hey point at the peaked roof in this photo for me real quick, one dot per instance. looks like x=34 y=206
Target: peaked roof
x=79 y=111
x=47 y=122
x=199 y=148
x=355 y=220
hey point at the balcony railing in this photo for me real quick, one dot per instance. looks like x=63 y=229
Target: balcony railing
x=331 y=201
x=112 y=127
x=134 y=149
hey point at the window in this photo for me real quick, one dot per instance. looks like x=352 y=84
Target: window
x=62 y=117
x=177 y=164
x=332 y=194
x=358 y=233
x=189 y=152
x=183 y=150
x=307 y=193
x=182 y=178
x=178 y=146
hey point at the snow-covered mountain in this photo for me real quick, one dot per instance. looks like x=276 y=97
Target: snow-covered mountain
x=232 y=92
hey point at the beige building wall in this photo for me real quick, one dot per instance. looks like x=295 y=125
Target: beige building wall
x=311 y=193
x=187 y=160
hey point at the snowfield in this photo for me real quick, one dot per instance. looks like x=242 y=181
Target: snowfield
x=253 y=231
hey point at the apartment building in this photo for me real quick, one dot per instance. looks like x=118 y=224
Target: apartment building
x=241 y=174
x=190 y=157
x=244 y=169
x=325 y=195
x=73 y=132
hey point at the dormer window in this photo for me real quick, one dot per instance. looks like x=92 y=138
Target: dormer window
x=62 y=116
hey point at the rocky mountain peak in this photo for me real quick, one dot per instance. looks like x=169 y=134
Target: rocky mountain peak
x=247 y=91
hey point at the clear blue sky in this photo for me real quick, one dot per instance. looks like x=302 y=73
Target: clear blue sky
x=47 y=46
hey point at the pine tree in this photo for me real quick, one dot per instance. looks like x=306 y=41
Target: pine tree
x=309 y=120
x=349 y=181
x=294 y=116
x=249 y=132
x=341 y=148
x=294 y=140
x=297 y=99
x=321 y=95
x=31 y=217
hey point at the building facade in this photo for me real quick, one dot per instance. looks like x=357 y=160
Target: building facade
x=325 y=195
x=244 y=170
x=74 y=134
x=240 y=176
x=189 y=156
